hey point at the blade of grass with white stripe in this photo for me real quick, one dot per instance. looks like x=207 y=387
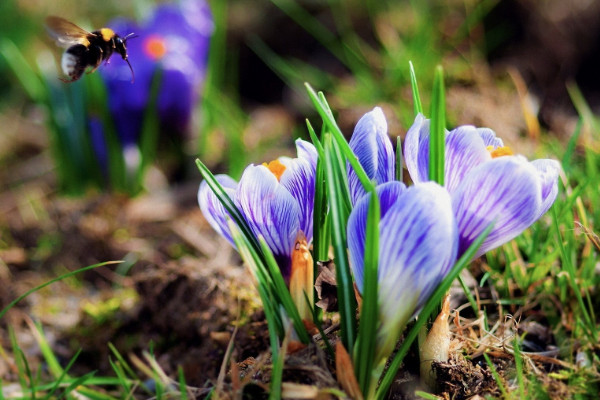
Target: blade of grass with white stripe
x=417 y=105
x=438 y=126
x=367 y=332
x=339 y=219
x=432 y=303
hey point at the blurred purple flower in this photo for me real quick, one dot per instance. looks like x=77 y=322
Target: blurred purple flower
x=417 y=247
x=98 y=142
x=175 y=40
x=485 y=181
x=275 y=199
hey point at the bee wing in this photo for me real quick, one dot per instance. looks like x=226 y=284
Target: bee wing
x=66 y=33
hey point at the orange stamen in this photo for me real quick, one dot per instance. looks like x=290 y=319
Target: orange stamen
x=276 y=167
x=499 y=151
x=155 y=47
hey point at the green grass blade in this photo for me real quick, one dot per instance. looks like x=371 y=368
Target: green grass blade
x=496 y=376
x=568 y=156
x=277 y=371
x=438 y=129
x=182 y=385
x=76 y=384
x=399 y=167
x=519 y=367
x=29 y=79
x=339 y=217
x=589 y=323
x=67 y=275
x=63 y=375
x=367 y=334
x=328 y=39
x=266 y=288
x=418 y=107
x=432 y=303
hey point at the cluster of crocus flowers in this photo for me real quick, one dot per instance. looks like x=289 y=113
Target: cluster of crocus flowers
x=276 y=200
x=171 y=46
x=484 y=183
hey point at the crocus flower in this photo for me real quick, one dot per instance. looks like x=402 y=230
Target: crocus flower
x=276 y=200
x=417 y=247
x=374 y=150
x=486 y=182
x=174 y=40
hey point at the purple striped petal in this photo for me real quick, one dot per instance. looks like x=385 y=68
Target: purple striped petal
x=271 y=211
x=299 y=179
x=505 y=190
x=388 y=194
x=418 y=246
x=465 y=150
x=416 y=149
x=372 y=146
x=548 y=171
x=307 y=151
x=489 y=138
x=212 y=209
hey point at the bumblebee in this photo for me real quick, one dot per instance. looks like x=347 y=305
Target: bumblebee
x=86 y=49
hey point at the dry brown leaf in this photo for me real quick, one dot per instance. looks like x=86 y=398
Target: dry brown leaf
x=326 y=286
x=345 y=372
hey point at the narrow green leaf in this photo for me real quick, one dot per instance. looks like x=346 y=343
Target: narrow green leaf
x=76 y=385
x=432 y=304
x=418 y=107
x=265 y=286
x=325 y=113
x=182 y=385
x=315 y=139
x=62 y=376
x=367 y=333
x=399 y=167
x=320 y=234
x=43 y=285
x=345 y=289
x=469 y=296
x=496 y=376
x=589 y=324
x=29 y=79
x=438 y=129
x=277 y=371
x=519 y=367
